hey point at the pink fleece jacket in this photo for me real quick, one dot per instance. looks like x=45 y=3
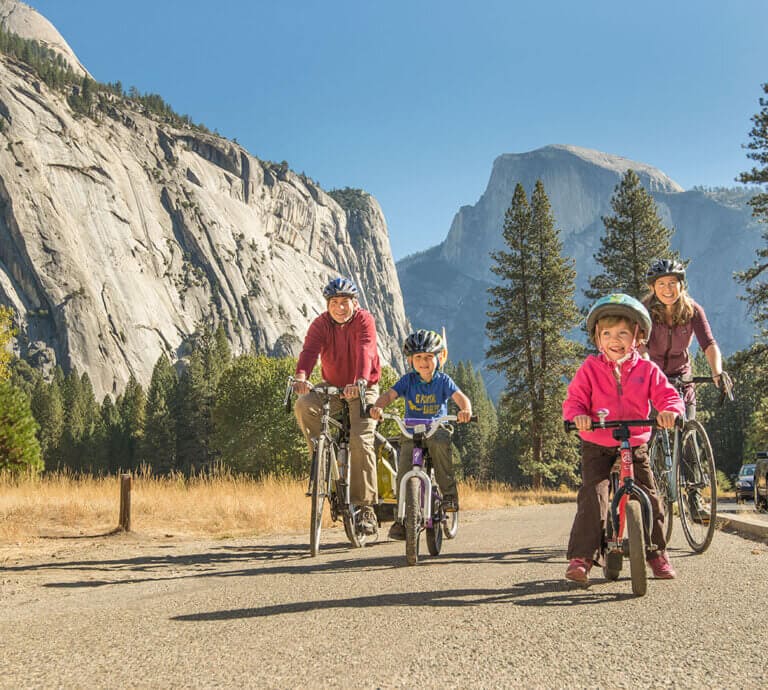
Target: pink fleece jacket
x=641 y=383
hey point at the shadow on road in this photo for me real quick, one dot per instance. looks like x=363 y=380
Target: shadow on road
x=533 y=593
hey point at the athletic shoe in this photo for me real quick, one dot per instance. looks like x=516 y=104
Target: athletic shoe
x=578 y=570
x=662 y=568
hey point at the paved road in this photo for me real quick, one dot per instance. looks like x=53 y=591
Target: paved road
x=491 y=611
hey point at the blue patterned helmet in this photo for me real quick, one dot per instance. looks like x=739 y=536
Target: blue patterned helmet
x=340 y=287
x=619 y=304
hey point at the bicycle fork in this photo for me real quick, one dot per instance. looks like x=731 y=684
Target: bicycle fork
x=426 y=488
x=618 y=504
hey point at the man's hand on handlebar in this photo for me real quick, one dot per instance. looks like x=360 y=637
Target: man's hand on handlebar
x=583 y=422
x=301 y=386
x=666 y=420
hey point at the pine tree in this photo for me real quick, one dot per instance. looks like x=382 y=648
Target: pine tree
x=160 y=430
x=132 y=410
x=532 y=309
x=6 y=333
x=48 y=410
x=19 y=447
x=634 y=237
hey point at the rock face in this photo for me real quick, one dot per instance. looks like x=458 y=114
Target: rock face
x=119 y=236
x=21 y=19
x=447 y=284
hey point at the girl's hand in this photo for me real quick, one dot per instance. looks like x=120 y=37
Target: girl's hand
x=375 y=412
x=583 y=422
x=666 y=420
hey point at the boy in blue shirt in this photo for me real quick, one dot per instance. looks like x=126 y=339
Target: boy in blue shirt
x=426 y=392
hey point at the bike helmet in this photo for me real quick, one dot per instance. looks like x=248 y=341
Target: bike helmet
x=340 y=287
x=619 y=304
x=664 y=267
x=424 y=341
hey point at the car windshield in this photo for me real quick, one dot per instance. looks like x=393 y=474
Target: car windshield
x=747 y=471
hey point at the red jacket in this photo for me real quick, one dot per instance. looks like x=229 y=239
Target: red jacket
x=595 y=386
x=347 y=351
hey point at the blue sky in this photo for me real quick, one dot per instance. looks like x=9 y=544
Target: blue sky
x=413 y=100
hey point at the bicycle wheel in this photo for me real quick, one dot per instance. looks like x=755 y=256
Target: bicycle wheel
x=320 y=461
x=412 y=519
x=697 y=487
x=451 y=525
x=636 y=534
x=661 y=477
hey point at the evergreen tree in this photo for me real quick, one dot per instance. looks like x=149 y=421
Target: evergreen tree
x=532 y=308
x=634 y=237
x=19 y=447
x=475 y=441
x=112 y=454
x=160 y=430
x=132 y=409
x=48 y=410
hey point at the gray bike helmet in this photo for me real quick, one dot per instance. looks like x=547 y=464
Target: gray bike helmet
x=664 y=267
x=619 y=304
x=340 y=287
x=423 y=341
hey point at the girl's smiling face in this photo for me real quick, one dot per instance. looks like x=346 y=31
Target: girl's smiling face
x=616 y=341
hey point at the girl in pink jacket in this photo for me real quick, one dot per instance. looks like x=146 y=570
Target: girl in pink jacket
x=625 y=384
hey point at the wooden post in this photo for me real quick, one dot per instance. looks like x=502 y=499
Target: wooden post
x=125 y=503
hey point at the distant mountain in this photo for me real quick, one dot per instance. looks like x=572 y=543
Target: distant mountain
x=122 y=230
x=447 y=284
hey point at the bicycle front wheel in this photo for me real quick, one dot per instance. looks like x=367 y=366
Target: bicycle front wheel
x=637 y=570
x=697 y=487
x=412 y=519
x=661 y=477
x=320 y=468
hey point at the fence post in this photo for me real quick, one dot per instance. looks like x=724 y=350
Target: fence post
x=125 y=503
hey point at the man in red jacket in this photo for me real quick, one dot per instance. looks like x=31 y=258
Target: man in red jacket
x=344 y=337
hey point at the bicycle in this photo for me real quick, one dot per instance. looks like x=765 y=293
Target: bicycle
x=692 y=483
x=636 y=516
x=419 y=505
x=329 y=470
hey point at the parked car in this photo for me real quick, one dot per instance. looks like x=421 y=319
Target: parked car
x=745 y=488
x=760 y=481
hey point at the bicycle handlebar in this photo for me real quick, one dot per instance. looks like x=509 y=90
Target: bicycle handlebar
x=325 y=390
x=613 y=424
x=726 y=383
x=432 y=424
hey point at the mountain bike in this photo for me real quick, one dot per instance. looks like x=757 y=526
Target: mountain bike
x=329 y=471
x=419 y=505
x=636 y=516
x=683 y=466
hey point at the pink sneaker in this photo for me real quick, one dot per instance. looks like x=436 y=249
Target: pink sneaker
x=662 y=568
x=578 y=570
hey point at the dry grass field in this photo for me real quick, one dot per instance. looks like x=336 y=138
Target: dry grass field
x=62 y=505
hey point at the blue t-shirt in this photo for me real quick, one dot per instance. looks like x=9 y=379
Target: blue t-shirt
x=425 y=400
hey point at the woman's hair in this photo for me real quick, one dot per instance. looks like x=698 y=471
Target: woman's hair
x=682 y=309
x=612 y=319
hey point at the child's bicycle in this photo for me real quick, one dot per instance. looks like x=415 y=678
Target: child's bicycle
x=419 y=505
x=636 y=516
x=684 y=469
x=329 y=472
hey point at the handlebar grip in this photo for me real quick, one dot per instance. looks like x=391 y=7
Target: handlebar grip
x=569 y=426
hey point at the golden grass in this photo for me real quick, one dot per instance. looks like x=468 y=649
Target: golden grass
x=61 y=505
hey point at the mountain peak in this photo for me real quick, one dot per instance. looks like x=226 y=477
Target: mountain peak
x=23 y=20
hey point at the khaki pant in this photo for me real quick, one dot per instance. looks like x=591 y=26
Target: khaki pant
x=309 y=410
x=439 y=447
x=592 y=501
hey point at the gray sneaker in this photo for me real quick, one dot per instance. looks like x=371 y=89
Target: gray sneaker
x=368 y=522
x=397 y=531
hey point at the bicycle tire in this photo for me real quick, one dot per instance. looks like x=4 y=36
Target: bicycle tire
x=412 y=519
x=661 y=477
x=696 y=473
x=636 y=533
x=451 y=525
x=320 y=461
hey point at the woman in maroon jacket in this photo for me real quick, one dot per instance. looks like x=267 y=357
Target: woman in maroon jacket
x=344 y=338
x=676 y=319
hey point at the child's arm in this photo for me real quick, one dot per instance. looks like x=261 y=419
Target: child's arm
x=465 y=406
x=381 y=402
